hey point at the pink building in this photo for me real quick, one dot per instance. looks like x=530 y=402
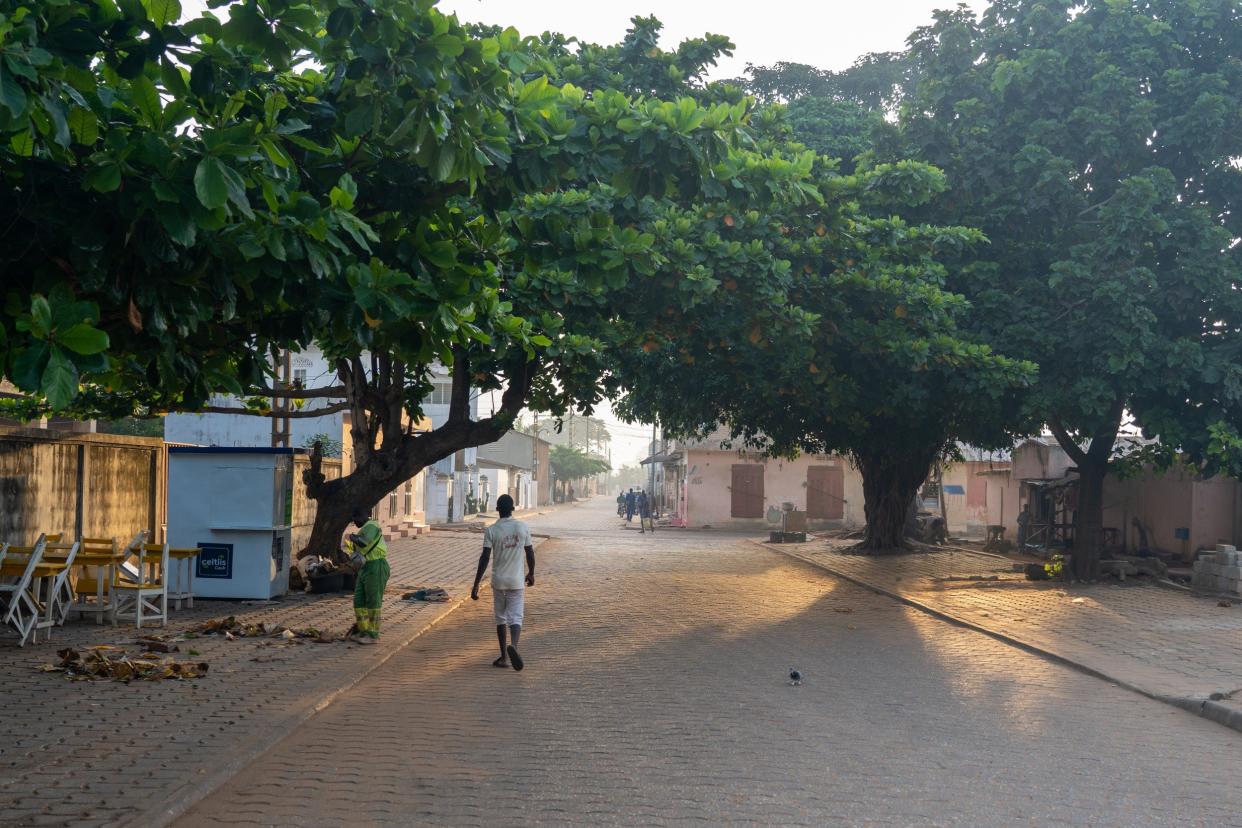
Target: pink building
x=706 y=485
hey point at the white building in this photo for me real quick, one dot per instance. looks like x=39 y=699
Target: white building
x=309 y=368
x=450 y=481
x=401 y=512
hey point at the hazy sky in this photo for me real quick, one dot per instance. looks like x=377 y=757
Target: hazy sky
x=825 y=33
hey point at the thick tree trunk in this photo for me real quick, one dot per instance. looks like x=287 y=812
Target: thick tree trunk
x=332 y=518
x=386 y=453
x=890 y=483
x=1092 y=469
x=1089 y=528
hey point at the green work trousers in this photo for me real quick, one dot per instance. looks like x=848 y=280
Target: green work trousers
x=369 y=596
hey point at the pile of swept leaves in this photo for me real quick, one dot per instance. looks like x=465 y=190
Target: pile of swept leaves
x=108 y=663
x=231 y=629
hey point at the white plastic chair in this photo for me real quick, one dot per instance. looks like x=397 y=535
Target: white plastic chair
x=137 y=598
x=181 y=576
x=60 y=590
x=21 y=611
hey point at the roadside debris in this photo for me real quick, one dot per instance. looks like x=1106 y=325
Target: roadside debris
x=102 y=663
x=432 y=594
x=232 y=629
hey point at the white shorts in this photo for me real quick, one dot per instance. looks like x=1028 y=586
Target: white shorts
x=508 y=605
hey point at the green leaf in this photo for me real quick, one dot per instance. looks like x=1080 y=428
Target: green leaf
x=203 y=78
x=104 y=177
x=40 y=316
x=179 y=224
x=147 y=100
x=340 y=22
x=163 y=12
x=22 y=143
x=84 y=126
x=210 y=183
x=12 y=96
x=83 y=339
x=28 y=367
x=59 y=383
x=174 y=80
x=445 y=159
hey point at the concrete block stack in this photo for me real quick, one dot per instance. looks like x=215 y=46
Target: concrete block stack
x=1219 y=571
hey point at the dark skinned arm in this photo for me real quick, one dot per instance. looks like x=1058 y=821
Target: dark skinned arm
x=478 y=576
x=530 y=566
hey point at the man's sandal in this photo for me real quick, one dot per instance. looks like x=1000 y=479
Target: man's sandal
x=500 y=662
x=515 y=658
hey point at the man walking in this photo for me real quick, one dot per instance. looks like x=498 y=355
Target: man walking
x=631 y=502
x=371 y=580
x=507 y=538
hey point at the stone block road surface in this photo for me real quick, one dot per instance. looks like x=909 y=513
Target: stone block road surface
x=656 y=693
x=110 y=753
x=1167 y=643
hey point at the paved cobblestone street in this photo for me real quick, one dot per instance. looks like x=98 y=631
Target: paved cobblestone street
x=1169 y=643
x=656 y=693
x=103 y=753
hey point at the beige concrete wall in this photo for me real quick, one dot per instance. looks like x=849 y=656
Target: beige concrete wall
x=1036 y=460
x=1212 y=513
x=97 y=485
x=1004 y=502
x=710 y=478
x=303 y=507
x=1173 y=500
x=965 y=517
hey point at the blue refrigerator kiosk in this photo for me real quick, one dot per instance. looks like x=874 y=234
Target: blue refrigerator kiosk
x=237 y=505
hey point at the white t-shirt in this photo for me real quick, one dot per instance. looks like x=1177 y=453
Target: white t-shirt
x=508 y=539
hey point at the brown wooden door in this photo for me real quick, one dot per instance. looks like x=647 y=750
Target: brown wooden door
x=747 y=491
x=825 y=493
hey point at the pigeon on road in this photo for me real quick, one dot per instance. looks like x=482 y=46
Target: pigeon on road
x=795 y=677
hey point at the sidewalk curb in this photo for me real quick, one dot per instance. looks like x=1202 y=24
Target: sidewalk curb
x=172 y=807
x=1206 y=708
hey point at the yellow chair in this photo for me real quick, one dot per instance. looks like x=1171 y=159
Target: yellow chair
x=96 y=566
x=137 y=598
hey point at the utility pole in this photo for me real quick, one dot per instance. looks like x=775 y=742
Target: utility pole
x=284 y=381
x=651 y=472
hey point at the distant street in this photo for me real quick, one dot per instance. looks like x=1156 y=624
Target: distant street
x=656 y=692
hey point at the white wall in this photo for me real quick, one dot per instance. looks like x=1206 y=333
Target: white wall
x=245 y=430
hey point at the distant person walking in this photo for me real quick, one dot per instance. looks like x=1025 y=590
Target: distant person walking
x=631 y=503
x=620 y=504
x=644 y=512
x=507 y=538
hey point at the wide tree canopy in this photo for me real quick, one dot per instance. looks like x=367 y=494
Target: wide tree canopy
x=1096 y=144
x=848 y=342
x=374 y=179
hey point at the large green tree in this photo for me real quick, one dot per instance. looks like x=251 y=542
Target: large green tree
x=1096 y=144
x=374 y=179
x=831 y=331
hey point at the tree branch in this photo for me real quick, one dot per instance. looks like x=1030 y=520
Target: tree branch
x=1071 y=448
x=292 y=415
x=335 y=391
x=1104 y=438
